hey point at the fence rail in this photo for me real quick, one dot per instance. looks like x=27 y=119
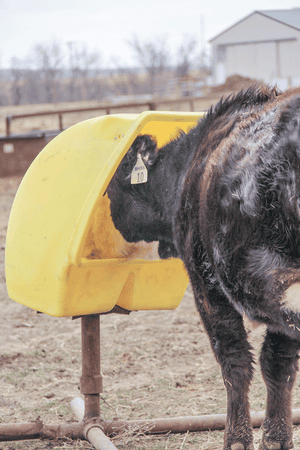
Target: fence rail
x=151 y=105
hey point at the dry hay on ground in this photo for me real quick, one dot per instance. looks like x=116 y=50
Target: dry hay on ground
x=234 y=83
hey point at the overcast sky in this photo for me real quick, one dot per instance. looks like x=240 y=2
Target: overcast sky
x=106 y=25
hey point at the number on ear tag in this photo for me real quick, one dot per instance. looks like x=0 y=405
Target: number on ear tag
x=139 y=174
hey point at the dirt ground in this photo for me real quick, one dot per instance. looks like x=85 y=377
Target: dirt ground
x=154 y=364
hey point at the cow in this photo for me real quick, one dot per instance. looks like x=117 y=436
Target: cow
x=225 y=198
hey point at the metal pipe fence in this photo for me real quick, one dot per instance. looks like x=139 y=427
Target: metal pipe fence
x=150 y=105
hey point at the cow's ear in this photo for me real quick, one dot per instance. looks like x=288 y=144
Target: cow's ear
x=146 y=147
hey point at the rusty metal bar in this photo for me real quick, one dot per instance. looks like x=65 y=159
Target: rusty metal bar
x=91 y=379
x=175 y=424
x=60 y=121
x=13 y=431
x=91 y=383
x=37 y=429
x=184 y=424
x=78 y=110
x=7 y=125
x=170 y=425
x=152 y=106
x=91 y=431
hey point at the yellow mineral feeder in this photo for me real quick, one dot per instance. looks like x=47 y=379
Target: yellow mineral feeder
x=64 y=256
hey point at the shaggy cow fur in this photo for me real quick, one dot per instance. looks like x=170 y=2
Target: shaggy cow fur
x=225 y=198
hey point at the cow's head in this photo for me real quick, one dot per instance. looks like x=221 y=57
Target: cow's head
x=134 y=193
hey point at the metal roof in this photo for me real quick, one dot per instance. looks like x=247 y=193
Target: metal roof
x=289 y=17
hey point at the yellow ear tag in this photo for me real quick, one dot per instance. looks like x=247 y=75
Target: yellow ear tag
x=140 y=173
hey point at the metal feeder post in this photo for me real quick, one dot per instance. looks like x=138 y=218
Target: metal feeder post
x=91 y=383
x=91 y=379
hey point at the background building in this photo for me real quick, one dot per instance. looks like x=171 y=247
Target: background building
x=264 y=45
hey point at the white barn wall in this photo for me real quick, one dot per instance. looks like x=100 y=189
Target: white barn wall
x=258 y=47
x=290 y=58
x=253 y=60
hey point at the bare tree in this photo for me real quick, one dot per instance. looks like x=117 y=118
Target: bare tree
x=16 y=76
x=153 y=56
x=48 y=61
x=32 y=86
x=124 y=80
x=48 y=76
x=84 y=72
x=88 y=64
x=185 y=56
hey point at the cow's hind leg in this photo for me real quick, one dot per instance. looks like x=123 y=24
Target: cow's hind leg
x=228 y=338
x=279 y=364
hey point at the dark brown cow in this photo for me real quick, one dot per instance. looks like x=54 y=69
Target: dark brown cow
x=225 y=198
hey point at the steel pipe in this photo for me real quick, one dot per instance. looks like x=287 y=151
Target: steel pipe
x=152 y=106
x=37 y=429
x=91 y=383
x=91 y=380
x=184 y=424
x=15 y=432
x=173 y=425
